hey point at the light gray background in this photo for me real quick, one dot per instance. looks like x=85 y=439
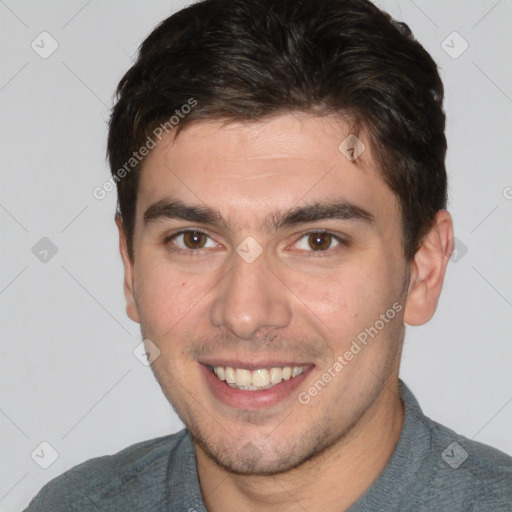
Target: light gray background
x=68 y=374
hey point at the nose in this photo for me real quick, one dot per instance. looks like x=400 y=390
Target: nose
x=250 y=298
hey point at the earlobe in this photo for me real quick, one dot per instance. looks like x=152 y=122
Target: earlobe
x=428 y=270
x=131 y=306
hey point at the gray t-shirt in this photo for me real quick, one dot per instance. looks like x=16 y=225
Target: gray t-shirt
x=432 y=469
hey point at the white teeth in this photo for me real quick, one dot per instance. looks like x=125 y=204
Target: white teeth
x=276 y=375
x=262 y=378
x=242 y=377
x=230 y=375
x=296 y=371
x=249 y=388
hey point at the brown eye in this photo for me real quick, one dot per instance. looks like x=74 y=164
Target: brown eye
x=190 y=240
x=320 y=241
x=194 y=239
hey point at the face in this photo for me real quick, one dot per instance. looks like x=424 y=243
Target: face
x=263 y=258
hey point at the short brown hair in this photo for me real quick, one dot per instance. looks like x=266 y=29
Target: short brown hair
x=254 y=59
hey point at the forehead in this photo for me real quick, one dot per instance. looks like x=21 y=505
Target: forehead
x=248 y=170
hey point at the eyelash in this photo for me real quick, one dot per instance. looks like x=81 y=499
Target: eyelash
x=166 y=239
x=318 y=254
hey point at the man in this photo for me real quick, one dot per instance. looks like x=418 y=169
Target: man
x=282 y=194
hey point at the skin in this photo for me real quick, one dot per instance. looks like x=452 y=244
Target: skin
x=292 y=303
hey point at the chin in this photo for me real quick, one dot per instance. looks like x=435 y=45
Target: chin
x=247 y=458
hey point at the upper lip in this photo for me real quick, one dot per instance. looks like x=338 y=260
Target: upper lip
x=253 y=364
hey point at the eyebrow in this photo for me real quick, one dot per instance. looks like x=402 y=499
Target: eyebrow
x=169 y=209
x=312 y=212
x=318 y=211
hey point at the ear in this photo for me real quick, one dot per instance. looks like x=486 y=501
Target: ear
x=428 y=269
x=131 y=305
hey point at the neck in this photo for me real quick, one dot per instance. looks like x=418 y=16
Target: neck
x=333 y=480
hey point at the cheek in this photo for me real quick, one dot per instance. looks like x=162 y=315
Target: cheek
x=338 y=292
x=161 y=294
x=168 y=301
x=349 y=299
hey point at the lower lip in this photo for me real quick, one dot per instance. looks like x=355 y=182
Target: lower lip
x=243 y=399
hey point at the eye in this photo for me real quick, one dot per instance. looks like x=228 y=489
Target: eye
x=191 y=240
x=318 y=241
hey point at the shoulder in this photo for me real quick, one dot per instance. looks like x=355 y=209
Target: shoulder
x=481 y=476
x=121 y=477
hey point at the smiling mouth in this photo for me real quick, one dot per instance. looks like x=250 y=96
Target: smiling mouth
x=256 y=380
